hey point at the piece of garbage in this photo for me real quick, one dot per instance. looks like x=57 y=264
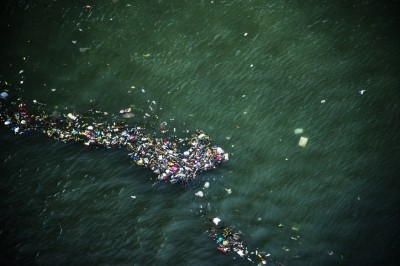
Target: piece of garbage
x=133 y=197
x=298 y=131
x=228 y=190
x=323 y=101
x=127 y=110
x=3 y=95
x=216 y=220
x=74 y=42
x=226 y=155
x=128 y=115
x=295 y=228
x=199 y=194
x=90 y=128
x=84 y=49
x=71 y=116
x=303 y=141
x=362 y=92
x=206 y=185
x=53 y=90
x=7 y=122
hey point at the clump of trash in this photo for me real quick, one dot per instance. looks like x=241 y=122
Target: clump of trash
x=161 y=155
x=229 y=240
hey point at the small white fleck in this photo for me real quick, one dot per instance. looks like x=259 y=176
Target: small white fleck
x=245 y=34
x=323 y=101
x=251 y=65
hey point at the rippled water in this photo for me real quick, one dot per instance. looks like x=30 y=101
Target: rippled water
x=248 y=73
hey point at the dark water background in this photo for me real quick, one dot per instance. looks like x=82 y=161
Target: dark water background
x=248 y=73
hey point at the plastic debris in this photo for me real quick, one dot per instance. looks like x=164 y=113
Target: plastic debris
x=303 y=141
x=133 y=197
x=216 y=220
x=199 y=194
x=3 y=95
x=206 y=185
x=228 y=190
x=71 y=116
x=298 y=131
x=84 y=49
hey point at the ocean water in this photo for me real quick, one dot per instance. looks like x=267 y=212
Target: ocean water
x=248 y=73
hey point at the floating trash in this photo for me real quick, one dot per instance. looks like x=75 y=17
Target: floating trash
x=199 y=194
x=216 y=220
x=303 y=141
x=3 y=95
x=298 y=131
x=84 y=49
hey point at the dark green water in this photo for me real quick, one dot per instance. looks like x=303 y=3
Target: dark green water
x=248 y=73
